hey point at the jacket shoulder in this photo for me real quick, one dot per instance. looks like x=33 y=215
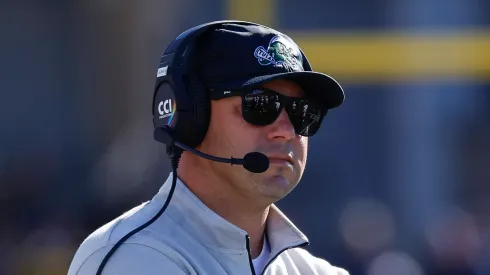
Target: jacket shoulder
x=131 y=258
x=317 y=265
x=140 y=254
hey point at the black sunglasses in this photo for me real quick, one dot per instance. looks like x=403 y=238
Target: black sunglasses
x=263 y=106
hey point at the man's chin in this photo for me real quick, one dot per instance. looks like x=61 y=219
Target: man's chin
x=276 y=186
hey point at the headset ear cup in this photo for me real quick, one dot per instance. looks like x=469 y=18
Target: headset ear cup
x=202 y=111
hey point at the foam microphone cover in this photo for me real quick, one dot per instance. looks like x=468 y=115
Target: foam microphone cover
x=256 y=162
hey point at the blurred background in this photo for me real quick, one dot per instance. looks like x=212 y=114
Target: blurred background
x=398 y=178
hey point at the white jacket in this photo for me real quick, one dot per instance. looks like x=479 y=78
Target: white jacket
x=189 y=238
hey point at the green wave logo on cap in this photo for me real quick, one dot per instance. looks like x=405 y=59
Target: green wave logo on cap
x=280 y=52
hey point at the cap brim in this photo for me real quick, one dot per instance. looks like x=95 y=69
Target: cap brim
x=318 y=85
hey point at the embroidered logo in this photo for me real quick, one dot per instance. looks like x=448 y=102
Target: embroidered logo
x=279 y=52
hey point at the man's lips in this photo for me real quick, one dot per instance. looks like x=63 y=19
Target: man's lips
x=280 y=159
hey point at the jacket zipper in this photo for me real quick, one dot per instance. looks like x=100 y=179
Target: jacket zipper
x=271 y=260
x=247 y=239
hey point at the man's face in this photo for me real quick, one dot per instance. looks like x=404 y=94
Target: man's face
x=229 y=135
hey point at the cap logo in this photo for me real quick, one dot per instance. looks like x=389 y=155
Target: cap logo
x=279 y=52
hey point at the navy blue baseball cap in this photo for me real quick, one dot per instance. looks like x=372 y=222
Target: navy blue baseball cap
x=236 y=56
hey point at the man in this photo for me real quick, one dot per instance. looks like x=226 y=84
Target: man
x=221 y=219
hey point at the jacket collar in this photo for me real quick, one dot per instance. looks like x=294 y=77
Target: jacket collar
x=216 y=233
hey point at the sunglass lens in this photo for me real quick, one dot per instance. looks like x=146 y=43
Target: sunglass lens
x=261 y=108
x=306 y=116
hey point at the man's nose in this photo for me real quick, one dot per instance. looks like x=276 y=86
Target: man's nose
x=282 y=128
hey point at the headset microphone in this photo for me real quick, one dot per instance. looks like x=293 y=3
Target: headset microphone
x=254 y=162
